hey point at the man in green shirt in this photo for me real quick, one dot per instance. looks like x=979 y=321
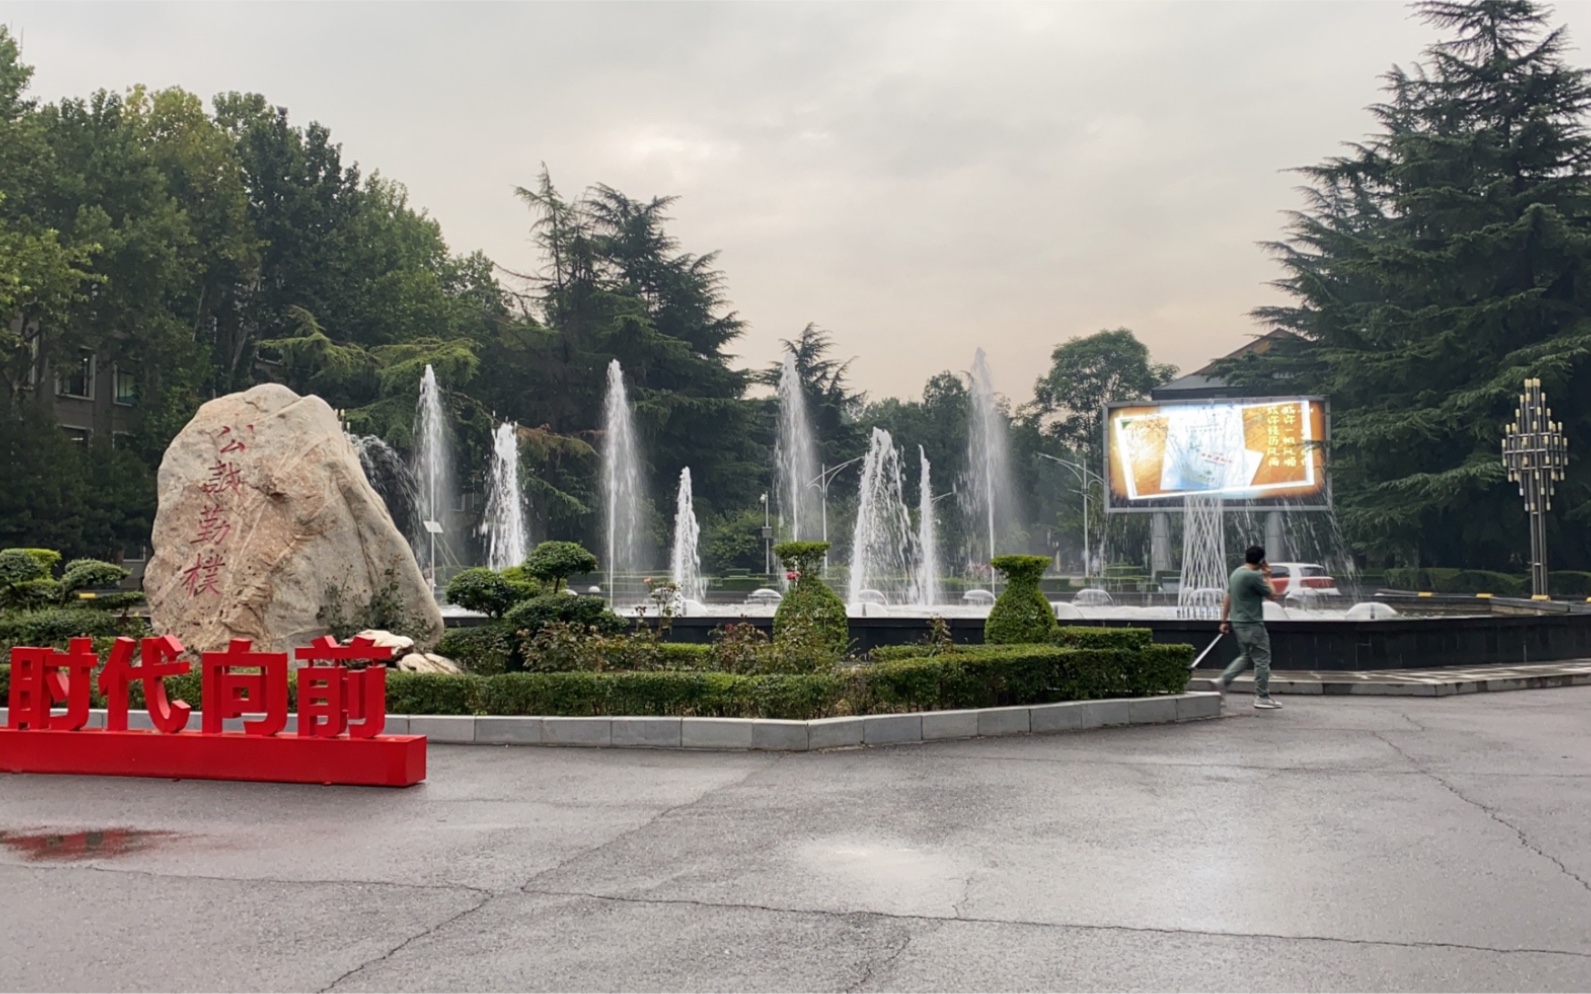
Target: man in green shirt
x=1243 y=613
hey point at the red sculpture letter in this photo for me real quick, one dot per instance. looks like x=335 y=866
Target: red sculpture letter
x=328 y=696
x=230 y=694
x=38 y=682
x=159 y=658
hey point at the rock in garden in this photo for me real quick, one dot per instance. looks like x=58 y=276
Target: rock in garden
x=427 y=662
x=387 y=640
x=268 y=530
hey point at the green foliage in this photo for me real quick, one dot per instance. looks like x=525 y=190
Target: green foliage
x=54 y=626
x=1071 y=637
x=556 y=562
x=1085 y=374
x=810 y=614
x=489 y=592
x=1459 y=581
x=90 y=574
x=1013 y=675
x=485 y=650
x=1435 y=267
x=586 y=612
x=1569 y=583
x=17 y=566
x=1020 y=614
x=384 y=611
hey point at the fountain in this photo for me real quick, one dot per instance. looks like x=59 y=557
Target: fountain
x=882 y=551
x=388 y=474
x=685 y=564
x=990 y=487
x=795 y=458
x=621 y=482
x=1204 y=576
x=503 y=525
x=925 y=591
x=432 y=470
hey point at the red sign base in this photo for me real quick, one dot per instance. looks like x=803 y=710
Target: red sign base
x=384 y=761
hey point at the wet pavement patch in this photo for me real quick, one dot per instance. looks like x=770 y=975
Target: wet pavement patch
x=60 y=846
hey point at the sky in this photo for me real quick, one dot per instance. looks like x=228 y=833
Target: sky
x=919 y=179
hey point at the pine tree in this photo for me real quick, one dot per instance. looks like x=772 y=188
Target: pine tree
x=1437 y=265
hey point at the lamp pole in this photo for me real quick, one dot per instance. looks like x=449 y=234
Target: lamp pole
x=821 y=481
x=1535 y=453
x=767 y=538
x=1084 y=476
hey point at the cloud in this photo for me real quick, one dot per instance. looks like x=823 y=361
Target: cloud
x=921 y=179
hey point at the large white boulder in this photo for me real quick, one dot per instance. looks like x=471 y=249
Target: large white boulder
x=266 y=525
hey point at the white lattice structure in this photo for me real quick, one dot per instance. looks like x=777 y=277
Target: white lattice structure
x=1203 y=558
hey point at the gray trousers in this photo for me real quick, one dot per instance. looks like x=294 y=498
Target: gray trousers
x=1254 y=649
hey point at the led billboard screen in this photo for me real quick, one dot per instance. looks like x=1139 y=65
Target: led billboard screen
x=1258 y=452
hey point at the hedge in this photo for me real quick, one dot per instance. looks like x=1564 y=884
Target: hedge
x=1446 y=580
x=991 y=677
x=1075 y=636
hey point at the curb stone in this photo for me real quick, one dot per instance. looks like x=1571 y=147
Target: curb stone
x=775 y=735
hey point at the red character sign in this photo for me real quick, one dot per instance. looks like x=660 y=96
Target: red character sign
x=342 y=715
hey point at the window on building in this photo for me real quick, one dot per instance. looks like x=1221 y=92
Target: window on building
x=126 y=387
x=78 y=379
x=79 y=435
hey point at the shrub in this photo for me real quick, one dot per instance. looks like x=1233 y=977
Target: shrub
x=54 y=626
x=1568 y=582
x=483 y=590
x=1447 y=580
x=590 y=612
x=17 y=566
x=1020 y=614
x=384 y=611
x=996 y=676
x=483 y=649
x=556 y=562
x=1084 y=637
x=809 y=607
x=90 y=574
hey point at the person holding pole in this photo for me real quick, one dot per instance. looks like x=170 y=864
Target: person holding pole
x=1243 y=614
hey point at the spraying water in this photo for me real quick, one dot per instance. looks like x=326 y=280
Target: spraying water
x=621 y=481
x=685 y=564
x=990 y=487
x=432 y=469
x=388 y=474
x=926 y=592
x=882 y=552
x=1204 y=575
x=503 y=526
x=795 y=458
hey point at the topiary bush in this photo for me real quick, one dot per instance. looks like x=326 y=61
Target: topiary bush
x=1020 y=614
x=556 y=562
x=483 y=590
x=483 y=649
x=91 y=574
x=810 y=611
x=531 y=616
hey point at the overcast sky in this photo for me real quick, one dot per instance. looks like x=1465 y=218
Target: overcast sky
x=919 y=179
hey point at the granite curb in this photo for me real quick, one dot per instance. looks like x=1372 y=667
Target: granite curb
x=775 y=735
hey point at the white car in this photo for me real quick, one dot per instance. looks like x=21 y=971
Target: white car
x=1294 y=577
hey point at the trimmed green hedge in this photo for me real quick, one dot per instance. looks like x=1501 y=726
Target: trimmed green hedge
x=992 y=676
x=1021 y=614
x=1443 y=580
x=1075 y=637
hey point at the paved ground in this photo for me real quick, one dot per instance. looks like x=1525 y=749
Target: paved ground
x=1416 y=683
x=1343 y=843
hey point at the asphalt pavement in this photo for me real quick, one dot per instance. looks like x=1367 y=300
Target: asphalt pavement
x=1342 y=843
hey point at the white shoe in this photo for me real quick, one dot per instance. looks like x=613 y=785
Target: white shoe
x=1267 y=704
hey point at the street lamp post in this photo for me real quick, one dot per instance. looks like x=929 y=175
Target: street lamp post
x=1084 y=476
x=821 y=481
x=1535 y=453
x=767 y=538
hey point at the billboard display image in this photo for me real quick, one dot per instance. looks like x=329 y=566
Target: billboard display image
x=1247 y=451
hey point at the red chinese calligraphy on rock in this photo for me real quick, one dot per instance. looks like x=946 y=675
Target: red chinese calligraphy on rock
x=241 y=681
x=335 y=699
x=204 y=576
x=159 y=658
x=214 y=527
